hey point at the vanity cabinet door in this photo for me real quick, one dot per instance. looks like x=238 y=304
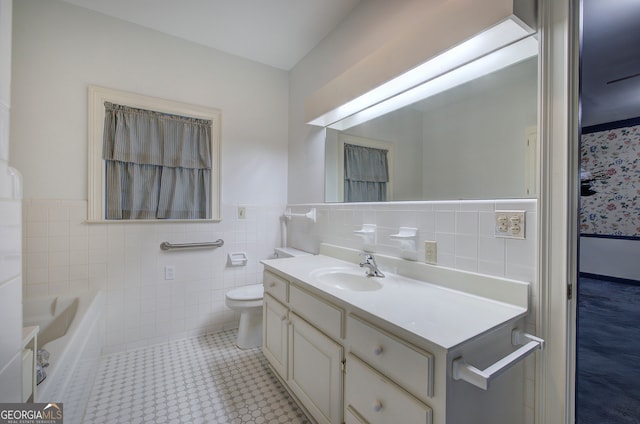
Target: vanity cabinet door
x=275 y=324
x=315 y=371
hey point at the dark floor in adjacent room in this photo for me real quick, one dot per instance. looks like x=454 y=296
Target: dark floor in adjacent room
x=608 y=350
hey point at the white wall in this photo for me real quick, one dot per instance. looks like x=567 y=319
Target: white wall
x=10 y=235
x=58 y=50
x=610 y=257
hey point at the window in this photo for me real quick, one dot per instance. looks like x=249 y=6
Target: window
x=152 y=159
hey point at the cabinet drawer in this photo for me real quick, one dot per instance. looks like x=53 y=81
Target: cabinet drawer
x=276 y=286
x=407 y=365
x=323 y=315
x=378 y=400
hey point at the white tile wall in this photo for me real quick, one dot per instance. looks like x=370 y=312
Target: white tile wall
x=464 y=231
x=64 y=254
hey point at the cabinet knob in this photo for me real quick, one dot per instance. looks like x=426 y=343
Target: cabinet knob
x=272 y=284
x=377 y=406
x=283 y=317
x=378 y=350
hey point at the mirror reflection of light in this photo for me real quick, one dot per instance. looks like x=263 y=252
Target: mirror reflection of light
x=480 y=45
x=490 y=63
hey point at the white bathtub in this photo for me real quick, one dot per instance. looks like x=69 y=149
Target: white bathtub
x=71 y=331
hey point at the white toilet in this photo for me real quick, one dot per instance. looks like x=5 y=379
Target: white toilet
x=248 y=301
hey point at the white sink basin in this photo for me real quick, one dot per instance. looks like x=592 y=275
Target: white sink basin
x=347 y=279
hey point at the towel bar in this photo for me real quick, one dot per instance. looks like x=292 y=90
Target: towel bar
x=168 y=246
x=311 y=215
x=481 y=378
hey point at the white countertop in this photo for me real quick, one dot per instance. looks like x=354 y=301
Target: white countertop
x=441 y=315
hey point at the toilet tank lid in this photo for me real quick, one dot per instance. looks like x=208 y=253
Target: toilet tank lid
x=287 y=252
x=252 y=292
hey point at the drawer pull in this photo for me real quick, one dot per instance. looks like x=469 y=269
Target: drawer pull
x=377 y=406
x=378 y=350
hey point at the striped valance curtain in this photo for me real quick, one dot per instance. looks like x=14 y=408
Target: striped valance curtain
x=366 y=174
x=158 y=166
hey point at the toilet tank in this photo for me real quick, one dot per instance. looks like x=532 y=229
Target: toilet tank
x=288 y=252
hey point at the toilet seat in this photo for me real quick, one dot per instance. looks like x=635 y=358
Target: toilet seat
x=253 y=292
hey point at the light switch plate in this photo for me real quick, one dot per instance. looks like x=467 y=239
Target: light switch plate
x=242 y=212
x=510 y=224
x=169 y=272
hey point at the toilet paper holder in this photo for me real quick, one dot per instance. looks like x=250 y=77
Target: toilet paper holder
x=237 y=258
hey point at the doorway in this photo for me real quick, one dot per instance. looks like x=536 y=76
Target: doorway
x=607 y=382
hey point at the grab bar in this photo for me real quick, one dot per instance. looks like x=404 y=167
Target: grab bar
x=165 y=245
x=481 y=378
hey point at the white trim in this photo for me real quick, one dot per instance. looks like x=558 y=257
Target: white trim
x=365 y=142
x=557 y=249
x=531 y=161
x=96 y=168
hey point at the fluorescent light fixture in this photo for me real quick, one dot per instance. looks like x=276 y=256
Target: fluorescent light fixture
x=517 y=52
x=502 y=34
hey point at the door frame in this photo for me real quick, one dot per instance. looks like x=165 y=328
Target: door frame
x=558 y=209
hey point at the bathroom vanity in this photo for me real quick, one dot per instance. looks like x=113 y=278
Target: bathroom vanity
x=355 y=349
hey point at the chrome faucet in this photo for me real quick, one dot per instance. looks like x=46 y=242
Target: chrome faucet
x=370 y=263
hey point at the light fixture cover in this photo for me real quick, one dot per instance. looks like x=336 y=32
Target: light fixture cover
x=487 y=43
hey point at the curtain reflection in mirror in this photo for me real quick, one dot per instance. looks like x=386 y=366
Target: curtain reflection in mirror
x=366 y=174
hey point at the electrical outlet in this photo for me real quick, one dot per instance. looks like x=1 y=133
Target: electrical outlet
x=169 y=272
x=510 y=224
x=430 y=252
x=242 y=212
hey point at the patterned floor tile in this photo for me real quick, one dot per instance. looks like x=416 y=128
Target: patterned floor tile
x=200 y=380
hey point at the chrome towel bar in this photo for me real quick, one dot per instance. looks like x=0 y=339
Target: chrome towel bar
x=311 y=215
x=165 y=245
x=481 y=378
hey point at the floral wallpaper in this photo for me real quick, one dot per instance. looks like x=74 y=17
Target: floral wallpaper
x=610 y=182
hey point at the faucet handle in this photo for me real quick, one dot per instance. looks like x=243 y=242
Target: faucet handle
x=368 y=258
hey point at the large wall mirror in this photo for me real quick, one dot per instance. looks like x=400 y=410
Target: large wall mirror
x=474 y=141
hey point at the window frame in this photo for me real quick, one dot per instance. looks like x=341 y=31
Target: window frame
x=97 y=96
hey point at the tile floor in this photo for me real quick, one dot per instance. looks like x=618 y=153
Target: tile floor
x=198 y=380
